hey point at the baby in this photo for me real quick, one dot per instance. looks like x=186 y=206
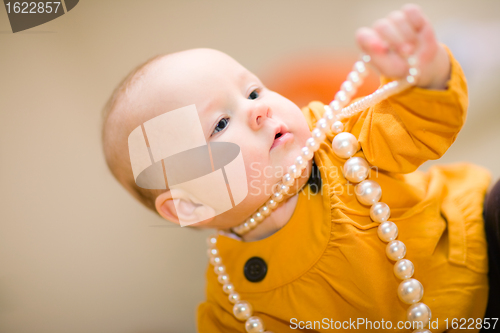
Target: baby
x=316 y=259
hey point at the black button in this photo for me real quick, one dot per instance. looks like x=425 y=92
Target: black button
x=255 y=269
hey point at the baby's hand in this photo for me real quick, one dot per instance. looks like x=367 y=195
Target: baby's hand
x=402 y=33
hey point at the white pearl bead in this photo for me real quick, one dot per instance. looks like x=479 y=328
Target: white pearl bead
x=294 y=171
x=244 y=228
x=228 y=288
x=238 y=229
x=335 y=107
x=329 y=116
x=345 y=145
x=258 y=217
x=410 y=291
x=212 y=240
x=413 y=71
x=223 y=278
x=387 y=231
x=412 y=61
x=254 y=325
x=395 y=250
x=337 y=127
x=272 y=204
x=349 y=88
x=360 y=68
x=252 y=223
x=419 y=312
x=242 y=310
x=322 y=125
x=306 y=153
x=234 y=297
x=403 y=269
x=300 y=163
x=220 y=269
x=410 y=79
x=380 y=212
x=356 y=169
x=284 y=189
x=368 y=192
x=318 y=134
x=423 y=330
x=215 y=260
x=265 y=211
x=354 y=78
x=312 y=144
x=341 y=97
x=213 y=252
x=287 y=179
x=277 y=196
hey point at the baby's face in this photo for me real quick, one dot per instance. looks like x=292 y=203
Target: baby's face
x=233 y=106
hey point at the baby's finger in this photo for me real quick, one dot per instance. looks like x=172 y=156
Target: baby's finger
x=387 y=62
x=415 y=16
x=400 y=21
x=371 y=42
x=387 y=30
x=390 y=64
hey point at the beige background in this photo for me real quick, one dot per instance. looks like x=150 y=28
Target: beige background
x=77 y=253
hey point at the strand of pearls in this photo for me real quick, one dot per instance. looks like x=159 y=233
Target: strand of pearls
x=331 y=120
x=242 y=310
x=368 y=192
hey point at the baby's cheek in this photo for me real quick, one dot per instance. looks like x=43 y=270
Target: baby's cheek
x=303 y=132
x=262 y=175
x=259 y=179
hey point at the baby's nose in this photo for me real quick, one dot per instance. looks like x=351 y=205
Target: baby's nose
x=258 y=114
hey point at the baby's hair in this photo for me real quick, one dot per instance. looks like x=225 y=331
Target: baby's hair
x=134 y=78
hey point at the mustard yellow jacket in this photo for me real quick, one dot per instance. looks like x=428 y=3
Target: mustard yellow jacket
x=327 y=263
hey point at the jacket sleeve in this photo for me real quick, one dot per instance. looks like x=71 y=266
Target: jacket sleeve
x=416 y=125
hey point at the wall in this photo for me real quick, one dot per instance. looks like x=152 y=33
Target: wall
x=77 y=253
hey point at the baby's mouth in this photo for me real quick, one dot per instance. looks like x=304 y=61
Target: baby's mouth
x=281 y=136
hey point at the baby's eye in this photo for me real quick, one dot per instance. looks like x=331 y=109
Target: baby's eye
x=254 y=94
x=220 y=125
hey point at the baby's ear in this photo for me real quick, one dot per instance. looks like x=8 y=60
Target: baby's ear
x=179 y=207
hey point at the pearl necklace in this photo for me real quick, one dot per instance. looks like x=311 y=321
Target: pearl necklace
x=368 y=193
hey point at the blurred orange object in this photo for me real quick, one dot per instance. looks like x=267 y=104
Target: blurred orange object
x=307 y=78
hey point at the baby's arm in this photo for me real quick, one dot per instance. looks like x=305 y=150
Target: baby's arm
x=402 y=33
x=421 y=123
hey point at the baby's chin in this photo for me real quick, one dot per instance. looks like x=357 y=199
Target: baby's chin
x=286 y=155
